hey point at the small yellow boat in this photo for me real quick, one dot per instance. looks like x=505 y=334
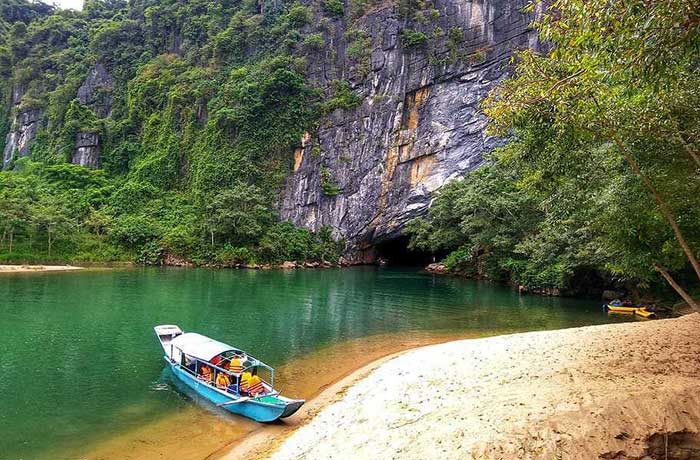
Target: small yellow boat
x=644 y=313
x=616 y=309
x=639 y=311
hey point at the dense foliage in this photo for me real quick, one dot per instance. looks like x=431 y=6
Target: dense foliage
x=208 y=99
x=603 y=169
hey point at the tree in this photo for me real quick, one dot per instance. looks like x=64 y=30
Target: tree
x=14 y=215
x=51 y=216
x=620 y=79
x=237 y=215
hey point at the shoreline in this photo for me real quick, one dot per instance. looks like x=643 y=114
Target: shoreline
x=261 y=442
x=211 y=435
x=12 y=268
x=604 y=391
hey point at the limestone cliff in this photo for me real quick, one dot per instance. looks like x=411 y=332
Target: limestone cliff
x=418 y=127
x=415 y=71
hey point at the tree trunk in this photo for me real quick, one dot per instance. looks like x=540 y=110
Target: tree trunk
x=11 y=235
x=667 y=276
x=689 y=149
x=212 y=237
x=49 y=233
x=662 y=205
x=691 y=152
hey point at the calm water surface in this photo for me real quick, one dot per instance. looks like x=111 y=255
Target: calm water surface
x=80 y=362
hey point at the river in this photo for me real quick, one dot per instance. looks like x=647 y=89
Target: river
x=81 y=373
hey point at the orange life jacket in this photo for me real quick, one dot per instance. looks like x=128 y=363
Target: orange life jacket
x=255 y=385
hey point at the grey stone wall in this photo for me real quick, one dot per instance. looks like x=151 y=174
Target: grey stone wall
x=419 y=125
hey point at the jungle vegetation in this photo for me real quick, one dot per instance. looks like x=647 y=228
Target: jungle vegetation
x=209 y=99
x=602 y=170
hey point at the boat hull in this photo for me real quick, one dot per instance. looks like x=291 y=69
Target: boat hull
x=639 y=311
x=254 y=409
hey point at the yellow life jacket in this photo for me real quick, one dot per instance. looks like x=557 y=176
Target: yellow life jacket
x=245 y=381
x=222 y=380
x=236 y=366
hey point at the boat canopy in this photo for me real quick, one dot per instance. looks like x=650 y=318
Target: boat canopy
x=199 y=346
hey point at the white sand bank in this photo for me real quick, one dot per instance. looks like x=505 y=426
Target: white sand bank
x=36 y=268
x=623 y=391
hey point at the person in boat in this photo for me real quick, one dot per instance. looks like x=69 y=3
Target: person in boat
x=205 y=373
x=222 y=381
x=251 y=384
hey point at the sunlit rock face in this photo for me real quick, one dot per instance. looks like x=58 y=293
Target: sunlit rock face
x=419 y=126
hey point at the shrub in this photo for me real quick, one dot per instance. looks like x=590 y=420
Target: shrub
x=343 y=97
x=314 y=41
x=298 y=16
x=329 y=187
x=231 y=255
x=334 y=8
x=413 y=38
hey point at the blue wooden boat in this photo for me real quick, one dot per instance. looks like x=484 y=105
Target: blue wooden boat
x=206 y=365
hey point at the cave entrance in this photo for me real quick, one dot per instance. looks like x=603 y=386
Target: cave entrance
x=395 y=252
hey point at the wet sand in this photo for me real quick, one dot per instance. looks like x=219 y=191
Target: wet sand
x=623 y=391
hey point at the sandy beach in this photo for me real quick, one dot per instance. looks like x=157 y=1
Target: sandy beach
x=36 y=268
x=623 y=391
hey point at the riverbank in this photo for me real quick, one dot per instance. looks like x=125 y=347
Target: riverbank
x=36 y=268
x=208 y=433
x=615 y=391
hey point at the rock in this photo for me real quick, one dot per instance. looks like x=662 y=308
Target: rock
x=25 y=126
x=309 y=264
x=419 y=126
x=176 y=261
x=87 y=150
x=288 y=265
x=437 y=268
x=96 y=91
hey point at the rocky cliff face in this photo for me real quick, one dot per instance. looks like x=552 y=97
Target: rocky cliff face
x=26 y=122
x=419 y=125
x=420 y=76
x=95 y=93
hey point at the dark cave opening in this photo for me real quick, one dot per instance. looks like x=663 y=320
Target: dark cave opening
x=395 y=252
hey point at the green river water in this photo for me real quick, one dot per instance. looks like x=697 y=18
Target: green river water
x=80 y=362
